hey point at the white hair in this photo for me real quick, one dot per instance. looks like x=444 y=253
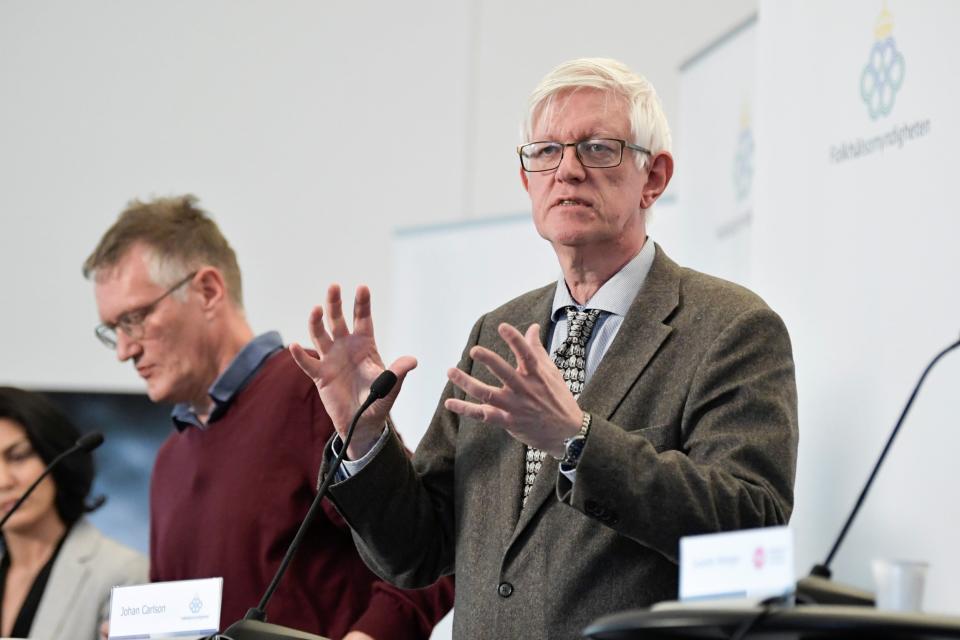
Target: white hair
x=648 y=124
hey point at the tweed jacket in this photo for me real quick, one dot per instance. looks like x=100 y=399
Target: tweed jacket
x=77 y=597
x=694 y=430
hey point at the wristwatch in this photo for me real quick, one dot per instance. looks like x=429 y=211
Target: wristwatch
x=573 y=446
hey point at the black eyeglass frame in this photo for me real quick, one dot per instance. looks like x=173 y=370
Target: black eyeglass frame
x=576 y=148
x=131 y=322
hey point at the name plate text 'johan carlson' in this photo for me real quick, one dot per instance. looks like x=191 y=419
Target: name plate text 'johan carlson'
x=180 y=609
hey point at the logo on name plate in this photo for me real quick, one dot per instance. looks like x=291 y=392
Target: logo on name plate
x=759 y=558
x=883 y=75
x=196 y=605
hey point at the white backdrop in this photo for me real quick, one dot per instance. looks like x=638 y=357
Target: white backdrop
x=311 y=130
x=444 y=278
x=715 y=156
x=854 y=245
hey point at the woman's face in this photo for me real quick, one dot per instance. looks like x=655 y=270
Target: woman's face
x=20 y=465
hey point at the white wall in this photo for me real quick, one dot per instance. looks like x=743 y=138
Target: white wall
x=310 y=130
x=859 y=256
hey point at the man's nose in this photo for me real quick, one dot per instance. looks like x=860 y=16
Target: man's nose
x=127 y=347
x=571 y=169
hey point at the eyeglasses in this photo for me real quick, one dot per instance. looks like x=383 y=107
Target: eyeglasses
x=131 y=322
x=596 y=153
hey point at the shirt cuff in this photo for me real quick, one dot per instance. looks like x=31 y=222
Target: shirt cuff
x=349 y=468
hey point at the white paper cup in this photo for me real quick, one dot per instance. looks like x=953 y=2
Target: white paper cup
x=899 y=584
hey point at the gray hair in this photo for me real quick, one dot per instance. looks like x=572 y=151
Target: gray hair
x=648 y=124
x=179 y=236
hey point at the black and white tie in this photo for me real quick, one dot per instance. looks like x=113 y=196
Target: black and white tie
x=571 y=358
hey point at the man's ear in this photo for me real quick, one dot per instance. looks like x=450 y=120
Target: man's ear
x=523 y=179
x=211 y=286
x=658 y=177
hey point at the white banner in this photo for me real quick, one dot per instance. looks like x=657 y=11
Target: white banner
x=857 y=137
x=715 y=155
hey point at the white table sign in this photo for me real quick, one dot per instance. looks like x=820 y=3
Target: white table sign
x=181 y=609
x=752 y=564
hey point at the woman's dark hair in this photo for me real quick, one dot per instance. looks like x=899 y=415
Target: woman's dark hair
x=51 y=433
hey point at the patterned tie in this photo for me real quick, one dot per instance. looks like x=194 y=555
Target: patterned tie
x=571 y=358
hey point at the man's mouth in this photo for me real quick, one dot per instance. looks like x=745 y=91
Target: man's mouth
x=571 y=202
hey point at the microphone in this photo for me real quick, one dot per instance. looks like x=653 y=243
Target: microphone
x=89 y=441
x=254 y=625
x=817 y=587
x=85 y=443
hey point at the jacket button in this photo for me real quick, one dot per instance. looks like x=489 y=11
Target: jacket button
x=505 y=589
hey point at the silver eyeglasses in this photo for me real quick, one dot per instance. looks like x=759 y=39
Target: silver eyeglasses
x=131 y=322
x=596 y=153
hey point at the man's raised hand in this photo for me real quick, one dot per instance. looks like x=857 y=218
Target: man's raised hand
x=346 y=364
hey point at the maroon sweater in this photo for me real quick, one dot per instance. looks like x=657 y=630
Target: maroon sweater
x=226 y=501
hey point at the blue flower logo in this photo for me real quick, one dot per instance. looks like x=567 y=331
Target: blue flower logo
x=884 y=73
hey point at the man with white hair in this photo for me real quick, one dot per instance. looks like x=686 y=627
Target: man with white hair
x=590 y=423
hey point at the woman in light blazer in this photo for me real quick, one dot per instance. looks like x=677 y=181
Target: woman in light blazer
x=57 y=569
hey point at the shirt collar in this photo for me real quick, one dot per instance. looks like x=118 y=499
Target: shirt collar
x=617 y=294
x=240 y=370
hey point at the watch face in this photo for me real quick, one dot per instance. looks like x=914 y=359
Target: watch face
x=574 y=449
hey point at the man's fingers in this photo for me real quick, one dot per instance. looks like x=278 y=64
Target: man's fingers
x=362 y=317
x=533 y=335
x=307 y=363
x=318 y=333
x=497 y=365
x=525 y=354
x=473 y=387
x=481 y=412
x=338 y=326
x=402 y=366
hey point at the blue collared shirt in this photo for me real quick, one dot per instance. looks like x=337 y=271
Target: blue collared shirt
x=224 y=389
x=613 y=299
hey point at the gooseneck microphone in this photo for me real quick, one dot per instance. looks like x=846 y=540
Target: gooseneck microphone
x=815 y=585
x=254 y=623
x=86 y=443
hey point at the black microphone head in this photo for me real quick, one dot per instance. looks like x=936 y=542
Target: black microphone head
x=383 y=384
x=90 y=441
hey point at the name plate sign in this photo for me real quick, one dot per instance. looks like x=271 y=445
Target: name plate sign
x=180 y=609
x=754 y=564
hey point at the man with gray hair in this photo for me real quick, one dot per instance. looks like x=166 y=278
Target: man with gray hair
x=231 y=485
x=590 y=423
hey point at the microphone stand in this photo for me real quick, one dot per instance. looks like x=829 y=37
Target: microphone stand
x=817 y=585
x=86 y=443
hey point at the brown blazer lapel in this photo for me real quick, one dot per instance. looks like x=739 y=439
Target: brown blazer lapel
x=638 y=340
x=513 y=453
